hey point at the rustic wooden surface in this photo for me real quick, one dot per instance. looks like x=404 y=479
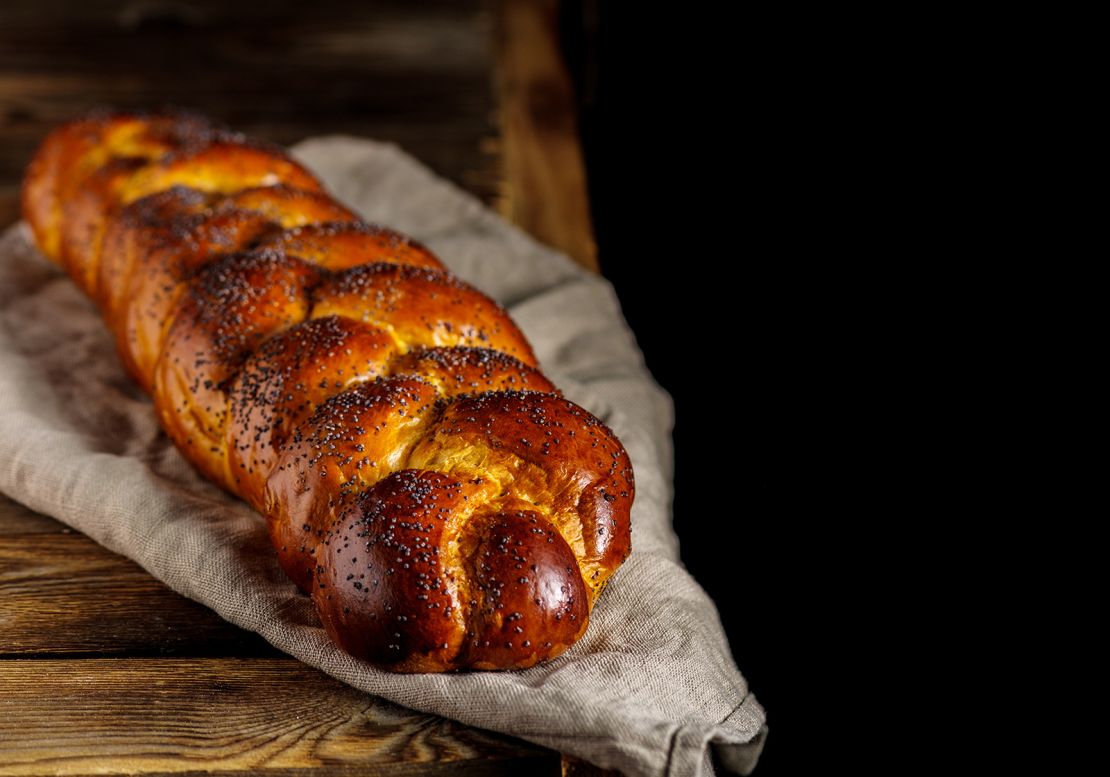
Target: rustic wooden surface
x=545 y=172
x=102 y=668
x=62 y=594
x=221 y=714
x=419 y=74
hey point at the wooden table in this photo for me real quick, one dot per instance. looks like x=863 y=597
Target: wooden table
x=102 y=668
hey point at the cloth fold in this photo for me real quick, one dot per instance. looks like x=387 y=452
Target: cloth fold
x=651 y=689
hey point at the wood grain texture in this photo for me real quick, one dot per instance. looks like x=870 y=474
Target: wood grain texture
x=62 y=594
x=9 y=205
x=545 y=177
x=417 y=74
x=17 y=519
x=275 y=716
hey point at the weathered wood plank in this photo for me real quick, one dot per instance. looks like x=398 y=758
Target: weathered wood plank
x=545 y=190
x=121 y=716
x=149 y=13
x=17 y=519
x=62 y=594
x=9 y=205
x=414 y=74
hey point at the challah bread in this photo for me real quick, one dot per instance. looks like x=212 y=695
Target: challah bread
x=444 y=506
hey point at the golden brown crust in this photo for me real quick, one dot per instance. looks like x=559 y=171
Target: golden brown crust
x=287 y=378
x=443 y=505
x=550 y=453
x=158 y=276
x=390 y=559
x=340 y=246
x=462 y=369
x=422 y=307
x=449 y=583
x=231 y=306
x=350 y=442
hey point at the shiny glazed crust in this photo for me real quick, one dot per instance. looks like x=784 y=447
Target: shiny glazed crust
x=443 y=505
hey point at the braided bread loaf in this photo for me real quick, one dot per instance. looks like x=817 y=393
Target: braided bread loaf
x=431 y=490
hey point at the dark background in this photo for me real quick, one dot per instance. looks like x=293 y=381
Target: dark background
x=691 y=162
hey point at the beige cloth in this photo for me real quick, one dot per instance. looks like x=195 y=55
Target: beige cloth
x=647 y=690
